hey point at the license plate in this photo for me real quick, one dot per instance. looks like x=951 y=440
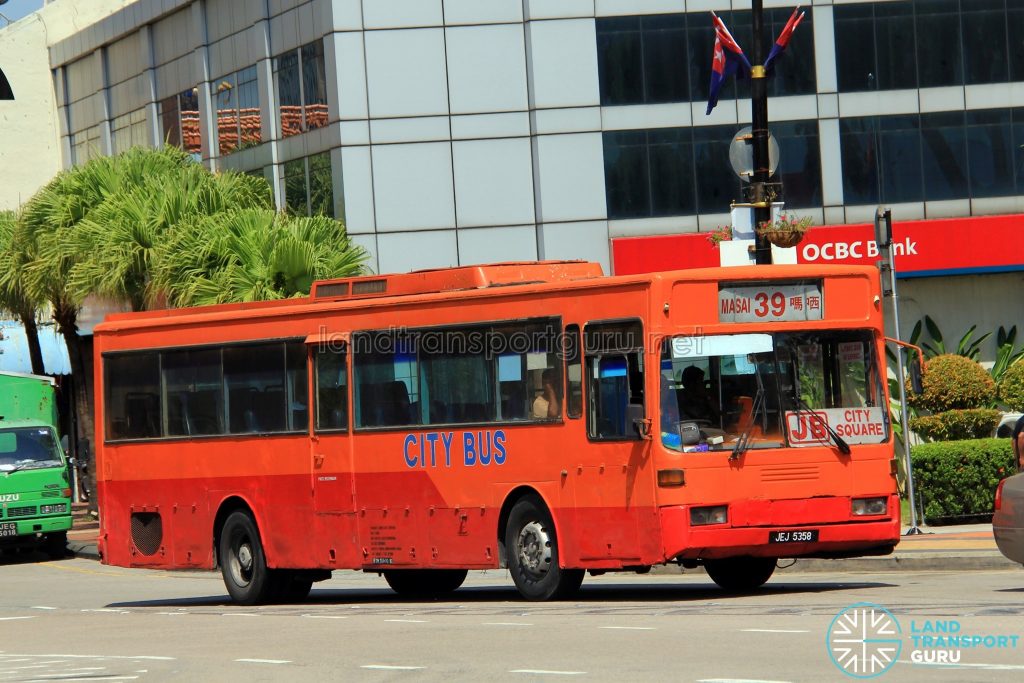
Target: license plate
x=8 y=529
x=793 y=536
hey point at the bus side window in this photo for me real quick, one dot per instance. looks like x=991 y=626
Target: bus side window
x=331 y=388
x=615 y=379
x=574 y=371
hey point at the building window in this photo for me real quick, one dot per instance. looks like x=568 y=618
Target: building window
x=927 y=43
x=237 y=100
x=301 y=89
x=308 y=186
x=179 y=121
x=85 y=145
x=667 y=57
x=130 y=130
x=684 y=171
x=932 y=157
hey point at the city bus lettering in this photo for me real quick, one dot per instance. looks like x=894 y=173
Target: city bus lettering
x=478 y=448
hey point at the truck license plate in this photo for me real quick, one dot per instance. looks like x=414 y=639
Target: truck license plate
x=8 y=529
x=793 y=536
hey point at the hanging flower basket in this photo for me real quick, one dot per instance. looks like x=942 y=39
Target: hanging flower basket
x=785 y=232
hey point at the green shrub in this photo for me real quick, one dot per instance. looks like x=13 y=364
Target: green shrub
x=953 y=382
x=958 y=479
x=952 y=425
x=1011 y=387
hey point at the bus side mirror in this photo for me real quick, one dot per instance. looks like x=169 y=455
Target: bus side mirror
x=915 y=375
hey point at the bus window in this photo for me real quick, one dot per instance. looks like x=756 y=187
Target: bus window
x=615 y=379
x=387 y=380
x=192 y=386
x=457 y=381
x=331 y=388
x=528 y=369
x=574 y=370
x=132 y=402
x=253 y=377
x=296 y=383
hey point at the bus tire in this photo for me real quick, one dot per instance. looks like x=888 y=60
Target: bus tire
x=56 y=545
x=740 y=574
x=532 y=547
x=242 y=562
x=424 y=583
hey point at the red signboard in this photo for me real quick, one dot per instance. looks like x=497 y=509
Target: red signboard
x=954 y=246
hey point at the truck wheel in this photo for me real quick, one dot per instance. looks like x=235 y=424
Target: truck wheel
x=56 y=545
x=532 y=547
x=424 y=583
x=740 y=574
x=242 y=562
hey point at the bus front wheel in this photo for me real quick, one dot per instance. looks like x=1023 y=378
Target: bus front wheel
x=532 y=547
x=424 y=583
x=740 y=574
x=242 y=562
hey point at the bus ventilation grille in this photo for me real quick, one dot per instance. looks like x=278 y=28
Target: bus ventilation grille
x=147 y=532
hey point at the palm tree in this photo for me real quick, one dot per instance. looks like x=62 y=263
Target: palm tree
x=14 y=299
x=160 y=190
x=253 y=255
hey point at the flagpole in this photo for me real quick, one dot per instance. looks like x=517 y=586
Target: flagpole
x=759 y=196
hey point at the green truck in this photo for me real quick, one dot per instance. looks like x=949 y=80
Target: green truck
x=35 y=493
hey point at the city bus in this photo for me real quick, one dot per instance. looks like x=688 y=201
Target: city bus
x=539 y=417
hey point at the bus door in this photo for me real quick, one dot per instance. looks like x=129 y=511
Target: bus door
x=330 y=449
x=610 y=495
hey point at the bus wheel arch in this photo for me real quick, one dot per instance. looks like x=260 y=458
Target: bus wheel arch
x=513 y=497
x=243 y=564
x=531 y=549
x=227 y=506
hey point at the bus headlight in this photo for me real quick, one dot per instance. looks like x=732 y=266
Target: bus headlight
x=718 y=514
x=52 y=509
x=870 y=506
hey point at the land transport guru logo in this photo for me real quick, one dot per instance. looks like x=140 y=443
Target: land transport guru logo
x=864 y=640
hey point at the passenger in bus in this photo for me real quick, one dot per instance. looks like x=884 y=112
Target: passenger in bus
x=696 y=403
x=548 y=404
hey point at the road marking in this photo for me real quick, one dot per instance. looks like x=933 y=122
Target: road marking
x=14 y=618
x=171 y=614
x=239 y=614
x=737 y=680
x=771 y=630
x=265 y=661
x=628 y=628
x=988 y=667
x=89 y=678
x=547 y=672
x=389 y=667
x=407 y=621
x=42 y=607
x=89 y=668
x=506 y=623
x=65 y=656
x=107 y=609
x=324 y=616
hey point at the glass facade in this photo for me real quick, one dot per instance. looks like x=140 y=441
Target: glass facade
x=179 y=121
x=129 y=130
x=928 y=43
x=237 y=99
x=301 y=89
x=667 y=57
x=933 y=157
x=680 y=171
x=308 y=186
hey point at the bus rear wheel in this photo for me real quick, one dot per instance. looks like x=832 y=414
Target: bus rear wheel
x=242 y=562
x=424 y=583
x=532 y=547
x=740 y=574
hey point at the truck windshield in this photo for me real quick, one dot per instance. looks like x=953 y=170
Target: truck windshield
x=28 y=448
x=771 y=391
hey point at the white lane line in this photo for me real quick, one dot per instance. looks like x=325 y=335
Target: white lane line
x=506 y=623
x=737 y=680
x=547 y=672
x=239 y=614
x=324 y=616
x=107 y=609
x=42 y=607
x=89 y=668
x=100 y=657
x=628 y=628
x=771 y=630
x=14 y=618
x=390 y=667
x=984 y=667
x=265 y=661
x=61 y=677
x=171 y=614
x=407 y=621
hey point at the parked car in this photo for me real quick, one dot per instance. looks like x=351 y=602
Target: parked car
x=1006 y=423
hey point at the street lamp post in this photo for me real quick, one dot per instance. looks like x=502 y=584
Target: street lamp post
x=759 y=196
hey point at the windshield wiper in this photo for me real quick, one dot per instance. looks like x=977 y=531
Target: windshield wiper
x=802 y=407
x=36 y=464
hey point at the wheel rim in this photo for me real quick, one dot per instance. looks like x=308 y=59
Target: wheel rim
x=242 y=563
x=534 y=549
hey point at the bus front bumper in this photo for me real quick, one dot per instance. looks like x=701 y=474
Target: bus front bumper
x=836 y=532
x=30 y=530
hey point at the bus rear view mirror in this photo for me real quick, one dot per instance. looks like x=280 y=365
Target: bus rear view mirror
x=915 y=374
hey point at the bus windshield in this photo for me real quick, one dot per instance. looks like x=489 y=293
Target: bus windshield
x=28 y=448
x=794 y=389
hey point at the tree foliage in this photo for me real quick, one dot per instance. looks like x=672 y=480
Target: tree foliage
x=1011 y=387
x=953 y=382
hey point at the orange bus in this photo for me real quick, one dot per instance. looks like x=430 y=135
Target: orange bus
x=535 y=416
